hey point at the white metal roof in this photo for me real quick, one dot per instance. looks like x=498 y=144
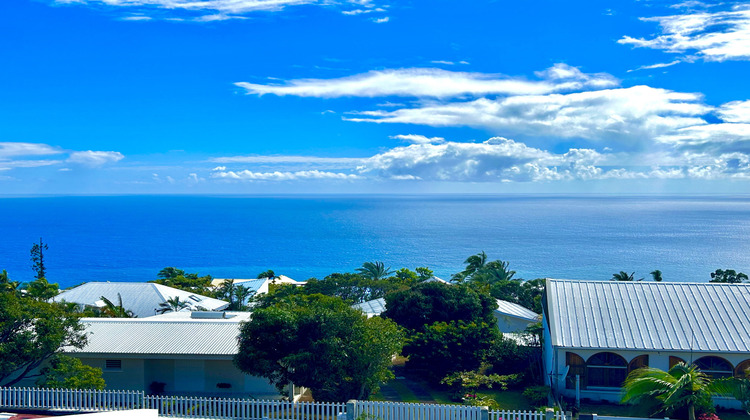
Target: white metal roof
x=141 y=298
x=706 y=317
x=168 y=334
x=371 y=308
x=515 y=310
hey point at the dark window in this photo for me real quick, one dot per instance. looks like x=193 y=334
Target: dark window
x=113 y=365
x=673 y=360
x=606 y=370
x=638 y=363
x=742 y=370
x=577 y=367
x=715 y=367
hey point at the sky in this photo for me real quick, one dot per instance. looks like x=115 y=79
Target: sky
x=374 y=96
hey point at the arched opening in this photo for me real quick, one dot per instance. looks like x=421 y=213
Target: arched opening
x=673 y=360
x=638 y=362
x=577 y=367
x=715 y=367
x=606 y=370
x=742 y=370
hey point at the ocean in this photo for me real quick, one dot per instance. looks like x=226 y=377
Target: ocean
x=130 y=238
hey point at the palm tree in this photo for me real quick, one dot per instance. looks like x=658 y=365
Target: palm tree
x=6 y=285
x=624 y=276
x=682 y=386
x=172 y=305
x=110 y=310
x=656 y=274
x=226 y=291
x=242 y=294
x=474 y=264
x=374 y=270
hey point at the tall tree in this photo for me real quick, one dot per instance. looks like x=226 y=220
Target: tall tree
x=321 y=343
x=664 y=392
x=31 y=332
x=473 y=264
x=624 y=276
x=727 y=276
x=37 y=259
x=374 y=270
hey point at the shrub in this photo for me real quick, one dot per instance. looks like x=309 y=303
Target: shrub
x=537 y=395
x=708 y=416
x=467 y=383
x=477 y=400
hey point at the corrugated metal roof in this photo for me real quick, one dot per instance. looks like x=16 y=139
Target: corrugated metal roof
x=707 y=317
x=173 y=333
x=513 y=309
x=141 y=298
x=371 y=308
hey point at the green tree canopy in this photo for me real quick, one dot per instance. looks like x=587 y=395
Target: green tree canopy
x=37 y=259
x=374 y=270
x=110 y=310
x=321 y=343
x=352 y=287
x=656 y=274
x=179 y=279
x=727 y=276
x=70 y=373
x=624 y=276
x=31 y=332
x=431 y=302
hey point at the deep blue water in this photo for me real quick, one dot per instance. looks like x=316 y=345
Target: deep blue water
x=583 y=237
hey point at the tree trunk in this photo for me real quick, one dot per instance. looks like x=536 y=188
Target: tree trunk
x=691 y=411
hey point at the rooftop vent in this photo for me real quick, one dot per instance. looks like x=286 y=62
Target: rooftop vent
x=209 y=315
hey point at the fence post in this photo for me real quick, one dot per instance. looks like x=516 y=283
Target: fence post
x=350 y=409
x=549 y=414
x=484 y=413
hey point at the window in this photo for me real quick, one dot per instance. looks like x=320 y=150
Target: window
x=673 y=360
x=606 y=370
x=113 y=365
x=715 y=367
x=577 y=367
x=638 y=362
x=741 y=370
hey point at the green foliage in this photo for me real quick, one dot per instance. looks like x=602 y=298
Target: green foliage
x=6 y=285
x=268 y=274
x=69 y=373
x=656 y=274
x=423 y=273
x=537 y=395
x=37 y=259
x=477 y=400
x=431 y=302
x=351 y=287
x=406 y=276
x=683 y=386
x=443 y=348
x=374 y=270
x=189 y=282
x=31 y=332
x=171 y=305
x=110 y=310
x=40 y=289
x=321 y=343
x=624 y=276
x=727 y=276
x=525 y=293
x=463 y=384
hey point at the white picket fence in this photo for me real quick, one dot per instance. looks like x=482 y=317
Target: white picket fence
x=246 y=409
x=524 y=415
x=371 y=410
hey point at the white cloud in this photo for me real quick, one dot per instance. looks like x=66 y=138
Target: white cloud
x=247 y=175
x=12 y=149
x=632 y=115
x=137 y=18
x=94 y=158
x=735 y=112
x=418 y=138
x=285 y=159
x=713 y=36
x=223 y=9
x=723 y=137
x=6 y=165
x=657 y=66
x=381 y=20
x=435 y=83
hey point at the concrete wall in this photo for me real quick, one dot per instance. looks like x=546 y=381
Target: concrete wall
x=511 y=324
x=130 y=377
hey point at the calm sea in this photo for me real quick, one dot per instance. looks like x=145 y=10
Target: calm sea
x=583 y=237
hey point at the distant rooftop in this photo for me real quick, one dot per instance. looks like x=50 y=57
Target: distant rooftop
x=645 y=315
x=141 y=298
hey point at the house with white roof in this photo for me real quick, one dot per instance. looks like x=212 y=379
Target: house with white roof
x=259 y=285
x=596 y=332
x=141 y=298
x=175 y=353
x=511 y=317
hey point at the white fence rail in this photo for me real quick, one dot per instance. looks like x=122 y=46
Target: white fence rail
x=246 y=409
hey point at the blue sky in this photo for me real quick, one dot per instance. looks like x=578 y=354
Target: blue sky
x=357 y=96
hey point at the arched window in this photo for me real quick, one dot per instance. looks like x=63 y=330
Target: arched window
x=638 y=362
x=577 y=367
x=741 y=370
x=606 y=370
x=673 y=360
x=715 y=367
